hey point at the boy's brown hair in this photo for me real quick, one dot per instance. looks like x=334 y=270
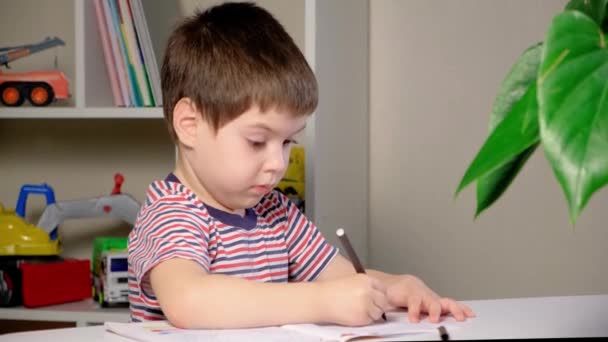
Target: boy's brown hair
x=233 y=56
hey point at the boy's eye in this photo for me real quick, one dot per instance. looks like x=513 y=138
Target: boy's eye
x=288 y=142
x=256 y=143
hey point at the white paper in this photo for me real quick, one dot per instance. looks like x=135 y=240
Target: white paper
x=395 y=326
x=162 y=331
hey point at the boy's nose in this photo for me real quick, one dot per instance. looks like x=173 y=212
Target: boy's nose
x=276 y=161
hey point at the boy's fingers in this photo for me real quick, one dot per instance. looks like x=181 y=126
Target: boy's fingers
x=453 y=308
x=375 y=312
x=467 y=311
x=381 y=300
x=378 y=285
x=434 y=311
x=413 y=309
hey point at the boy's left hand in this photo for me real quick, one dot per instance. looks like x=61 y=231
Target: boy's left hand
x=412 y=293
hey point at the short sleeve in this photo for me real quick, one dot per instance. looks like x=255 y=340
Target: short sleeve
x=167 y=230
x=308 y=251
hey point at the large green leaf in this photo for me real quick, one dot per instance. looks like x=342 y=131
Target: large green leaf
x=596 y=9
x=573 y=106
x=523 y=73
x=492 y=186
x=516 y=133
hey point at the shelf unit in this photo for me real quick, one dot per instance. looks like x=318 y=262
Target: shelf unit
x=81 y=113
x=334 y=38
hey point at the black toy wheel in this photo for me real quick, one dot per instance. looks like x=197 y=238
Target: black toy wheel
x=10 y=94
x=40 y=94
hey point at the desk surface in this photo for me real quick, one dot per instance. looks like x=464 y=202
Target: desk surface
x=82 y=312
x=541 y=317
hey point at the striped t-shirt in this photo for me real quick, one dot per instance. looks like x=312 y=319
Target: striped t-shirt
x=272 y=242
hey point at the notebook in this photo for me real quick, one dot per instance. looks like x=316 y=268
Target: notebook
x=395 y=328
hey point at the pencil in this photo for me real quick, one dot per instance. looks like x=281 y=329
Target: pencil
x=443 y=333
x=352 y=255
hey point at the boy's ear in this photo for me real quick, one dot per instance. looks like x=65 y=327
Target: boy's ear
x=186 y=119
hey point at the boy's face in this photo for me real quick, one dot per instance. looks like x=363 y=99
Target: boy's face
x=236 y=166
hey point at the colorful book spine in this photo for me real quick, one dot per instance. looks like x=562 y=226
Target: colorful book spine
x=107 y=53
x=129 y=72
x=140 y=48
x=150 y=61
x=117 y=54
x=133 y=52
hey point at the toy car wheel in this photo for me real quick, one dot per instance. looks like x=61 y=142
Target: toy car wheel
x=290 y=191
x=101 y=301
x=10 y=95
x=40 y=94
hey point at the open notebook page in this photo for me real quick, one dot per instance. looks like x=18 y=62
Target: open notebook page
x=162 y=331
x=395 y=326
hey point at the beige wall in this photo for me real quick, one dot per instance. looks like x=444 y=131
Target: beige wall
x=435 y=69
x=290 y=13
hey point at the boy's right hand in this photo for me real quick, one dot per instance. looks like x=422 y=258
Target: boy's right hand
x=354 y=300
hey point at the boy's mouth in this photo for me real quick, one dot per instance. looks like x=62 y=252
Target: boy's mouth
x=262 y=189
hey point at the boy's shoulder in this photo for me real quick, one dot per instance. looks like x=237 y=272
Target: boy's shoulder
x=163 y=190
x=163 y=195
x=168 y=192
x=271 y=203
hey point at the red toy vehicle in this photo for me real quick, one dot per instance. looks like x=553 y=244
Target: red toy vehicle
x=39 y=87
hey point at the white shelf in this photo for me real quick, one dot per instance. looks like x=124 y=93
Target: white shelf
x=81 y=113
x=84 y=313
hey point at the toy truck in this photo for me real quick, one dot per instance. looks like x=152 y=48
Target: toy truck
x=110 y=271
x=40 y=88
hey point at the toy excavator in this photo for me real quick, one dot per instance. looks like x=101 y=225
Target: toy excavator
x=31 y=270
x=40 y=88
x=18 y=238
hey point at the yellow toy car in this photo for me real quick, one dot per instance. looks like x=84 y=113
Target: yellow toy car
x=293 y=183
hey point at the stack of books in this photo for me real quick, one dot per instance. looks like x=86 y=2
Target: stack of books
x=129 y=56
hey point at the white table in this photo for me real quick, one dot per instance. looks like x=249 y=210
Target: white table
x=543 y=317
x=83 y=313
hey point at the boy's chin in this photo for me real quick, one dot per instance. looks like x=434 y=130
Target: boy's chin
x=249 y=201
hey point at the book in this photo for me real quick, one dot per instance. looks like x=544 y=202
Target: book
x=141 y=28
x=140 y=49
x=125 y=68
x=133 y=53
x=107 y=53
x=394 y=328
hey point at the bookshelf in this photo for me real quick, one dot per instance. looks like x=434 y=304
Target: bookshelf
x=78 y=145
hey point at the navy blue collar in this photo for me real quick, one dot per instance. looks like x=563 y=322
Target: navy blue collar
x=249 y=221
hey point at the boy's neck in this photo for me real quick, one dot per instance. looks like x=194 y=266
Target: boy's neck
x=187 y=177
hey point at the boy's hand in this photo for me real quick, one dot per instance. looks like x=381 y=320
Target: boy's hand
x=412 y=293
x=354 y=300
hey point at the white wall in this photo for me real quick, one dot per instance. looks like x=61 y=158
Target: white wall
x=341 y=121
x=435 y=68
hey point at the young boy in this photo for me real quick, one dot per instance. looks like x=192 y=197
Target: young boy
x=214 y=246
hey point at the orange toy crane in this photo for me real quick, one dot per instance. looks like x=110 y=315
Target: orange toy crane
x=39 y=87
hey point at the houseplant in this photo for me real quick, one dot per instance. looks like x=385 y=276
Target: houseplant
x=555 y=97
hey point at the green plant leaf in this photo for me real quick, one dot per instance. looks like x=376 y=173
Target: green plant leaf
x=573 y=106
x=596 y=9
x=516 y=133
x=493 y=185
x=523 y=73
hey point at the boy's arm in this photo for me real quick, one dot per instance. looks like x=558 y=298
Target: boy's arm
x=403 y=291
x=191 y=298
